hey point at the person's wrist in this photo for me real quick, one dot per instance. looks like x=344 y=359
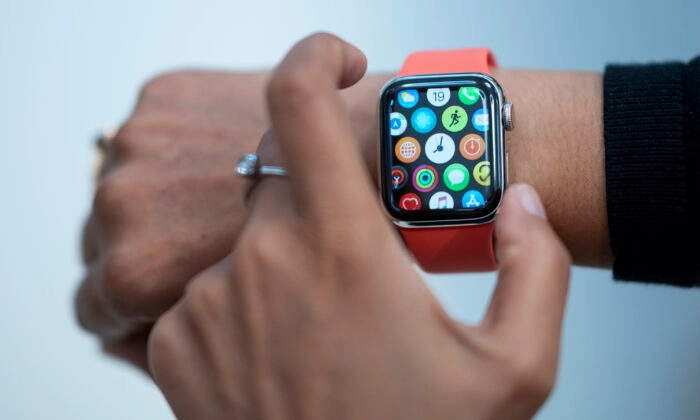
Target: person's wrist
x=557 y=147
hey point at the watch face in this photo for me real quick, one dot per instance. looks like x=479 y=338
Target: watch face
x=442 y=151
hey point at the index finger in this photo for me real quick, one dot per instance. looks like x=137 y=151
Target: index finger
x=312 y=128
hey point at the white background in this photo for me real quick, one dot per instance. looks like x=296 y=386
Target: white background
x=67 y=68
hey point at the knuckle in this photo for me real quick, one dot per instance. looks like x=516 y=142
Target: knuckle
x=531 y=376
x=298 y=83
x=111 y=194
x=203 y=301
x=325 y=45
x=128 y=140
x=342 y=245
x=161 y=85
x=290 y=88
x=126 y=292
x=88 y=242
x=355 y=245
x=164 y=342
x=261 y=248
x=81 y=301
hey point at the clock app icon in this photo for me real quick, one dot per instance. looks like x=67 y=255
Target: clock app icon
x=439 y=148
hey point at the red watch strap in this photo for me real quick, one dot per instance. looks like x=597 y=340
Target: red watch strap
x=452 y=249
x=468 y=60
x=455 y=248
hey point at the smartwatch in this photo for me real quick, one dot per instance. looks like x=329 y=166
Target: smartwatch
x=443 y=164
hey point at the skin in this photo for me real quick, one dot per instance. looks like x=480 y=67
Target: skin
x=558 y=148
x=168 y=207
x=317 y=312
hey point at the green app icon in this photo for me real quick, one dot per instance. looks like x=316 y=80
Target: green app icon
x=456 y=177
x=454 y=118
x=469 y=95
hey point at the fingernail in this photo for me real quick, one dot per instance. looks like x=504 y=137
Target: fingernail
x=531 y=201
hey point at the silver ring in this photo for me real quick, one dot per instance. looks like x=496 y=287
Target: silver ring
x=249 y=167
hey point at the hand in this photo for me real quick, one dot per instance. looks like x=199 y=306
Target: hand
x=318 y=312
x=168 y=206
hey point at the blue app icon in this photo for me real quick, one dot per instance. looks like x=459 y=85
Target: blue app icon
x=480 y=119
x=423 y=120
x=408 y=98
x=472 y=199
x=397 y=123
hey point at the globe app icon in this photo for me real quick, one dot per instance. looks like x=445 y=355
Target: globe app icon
x=407 y=149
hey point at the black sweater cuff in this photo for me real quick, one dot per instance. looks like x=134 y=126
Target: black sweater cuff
x=648 y=163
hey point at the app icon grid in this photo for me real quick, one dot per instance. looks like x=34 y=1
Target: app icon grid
x=442 y=128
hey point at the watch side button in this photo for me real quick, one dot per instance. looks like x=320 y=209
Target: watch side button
x=508 y=117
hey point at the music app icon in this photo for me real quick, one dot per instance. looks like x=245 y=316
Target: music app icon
x=441 y=200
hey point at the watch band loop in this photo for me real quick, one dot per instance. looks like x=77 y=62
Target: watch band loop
x=466 y=60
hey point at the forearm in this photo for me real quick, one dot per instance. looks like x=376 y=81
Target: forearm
x=557 y=147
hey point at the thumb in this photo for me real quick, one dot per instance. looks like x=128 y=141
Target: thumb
x=527 y=306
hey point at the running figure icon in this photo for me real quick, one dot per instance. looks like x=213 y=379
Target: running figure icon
x=455 y=118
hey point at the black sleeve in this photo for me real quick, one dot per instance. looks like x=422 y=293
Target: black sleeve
x=652 y=168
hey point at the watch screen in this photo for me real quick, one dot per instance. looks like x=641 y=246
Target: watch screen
x=439 y=149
